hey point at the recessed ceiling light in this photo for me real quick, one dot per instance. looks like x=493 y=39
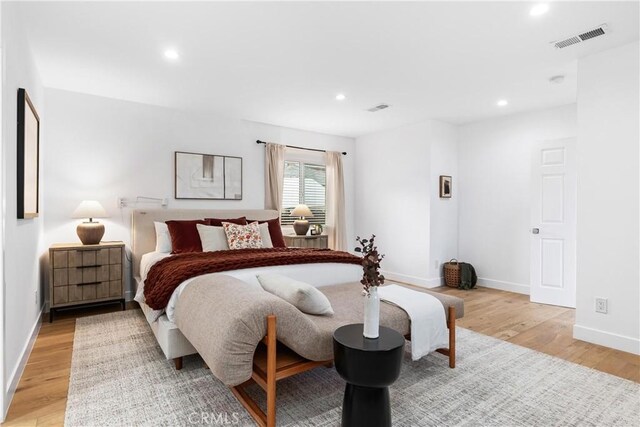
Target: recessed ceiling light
x=502 y=103
x=340 y=97
x=539 y=9
x=171 y=54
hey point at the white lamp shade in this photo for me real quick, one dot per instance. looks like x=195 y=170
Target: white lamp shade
x=89 y=209
x=301 y=210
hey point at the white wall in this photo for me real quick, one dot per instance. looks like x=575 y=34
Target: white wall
x=22 y=238
x=396 y=175
x=608 y=190
x=392 y=201
x=2 y=283
x=444 y=212
x=101 y=149
x=494 y=189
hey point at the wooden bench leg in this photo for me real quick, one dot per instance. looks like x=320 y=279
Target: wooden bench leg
x=451 y=325
x=271 y=371
x=452 y=336
x=178 y=363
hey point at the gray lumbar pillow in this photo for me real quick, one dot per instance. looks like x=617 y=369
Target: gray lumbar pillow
x=303 y=296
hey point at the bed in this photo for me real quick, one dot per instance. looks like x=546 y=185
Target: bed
x=173 y=343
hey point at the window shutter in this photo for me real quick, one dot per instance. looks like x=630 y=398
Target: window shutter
x=306 y=184
x=314 y=192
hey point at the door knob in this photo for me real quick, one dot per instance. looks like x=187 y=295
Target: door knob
x=535 y=231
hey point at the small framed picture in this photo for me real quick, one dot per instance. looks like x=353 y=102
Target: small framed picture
x=445 y=187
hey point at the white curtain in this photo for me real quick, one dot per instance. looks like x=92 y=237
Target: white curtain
x=273 y=176
x=336 y=225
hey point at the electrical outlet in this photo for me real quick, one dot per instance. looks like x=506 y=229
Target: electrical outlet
x=601 y=305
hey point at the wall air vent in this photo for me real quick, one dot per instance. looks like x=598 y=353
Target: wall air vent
x=377 y=108
x=579 y=38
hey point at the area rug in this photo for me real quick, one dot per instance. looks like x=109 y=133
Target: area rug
x=120 y=377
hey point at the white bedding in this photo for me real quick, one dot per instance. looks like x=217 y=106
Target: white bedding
x=318 y=275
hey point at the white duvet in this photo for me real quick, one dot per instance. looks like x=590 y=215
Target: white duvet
x=318 y=275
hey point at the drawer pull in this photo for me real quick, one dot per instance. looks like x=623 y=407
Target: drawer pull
x=89 y=283
x=90 y=266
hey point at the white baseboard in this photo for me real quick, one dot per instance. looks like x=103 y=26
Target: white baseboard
x=504 y=286
x=413 y=280
x=435 y=282
x=12 y=384
x=607 y=339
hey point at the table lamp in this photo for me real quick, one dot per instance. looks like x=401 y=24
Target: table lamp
x=90 y=232
x=301 y=226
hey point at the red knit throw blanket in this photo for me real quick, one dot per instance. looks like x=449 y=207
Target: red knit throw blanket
x=167 y=274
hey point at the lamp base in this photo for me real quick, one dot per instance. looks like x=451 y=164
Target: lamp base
x=90 y=233
x=301 y=226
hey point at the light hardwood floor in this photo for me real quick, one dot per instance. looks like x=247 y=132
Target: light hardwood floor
x=42 y=393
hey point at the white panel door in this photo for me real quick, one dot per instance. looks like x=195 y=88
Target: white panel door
x=553 y=219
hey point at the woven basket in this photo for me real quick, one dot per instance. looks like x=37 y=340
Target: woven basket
x=452 y=273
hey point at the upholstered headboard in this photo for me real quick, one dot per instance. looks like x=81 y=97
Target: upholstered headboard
x=143 y=233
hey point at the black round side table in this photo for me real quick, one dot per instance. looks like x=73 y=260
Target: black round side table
x=369 y=366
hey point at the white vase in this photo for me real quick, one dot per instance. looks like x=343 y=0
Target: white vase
x=371 y=313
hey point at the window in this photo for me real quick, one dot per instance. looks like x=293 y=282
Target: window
x=304 y=183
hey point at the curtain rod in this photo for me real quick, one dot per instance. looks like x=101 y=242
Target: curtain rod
x=344 y=153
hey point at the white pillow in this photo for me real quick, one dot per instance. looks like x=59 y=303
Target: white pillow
x=212 y=238
x=163 y=238
x=303 y=296
x=265 y=236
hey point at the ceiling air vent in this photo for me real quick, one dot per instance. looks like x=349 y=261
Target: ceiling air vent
x=377 y=108
x=579 y=38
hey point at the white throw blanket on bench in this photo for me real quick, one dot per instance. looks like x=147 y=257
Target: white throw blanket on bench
x=428 y=319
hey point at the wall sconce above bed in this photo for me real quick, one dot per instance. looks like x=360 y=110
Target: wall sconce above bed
x=123 y=202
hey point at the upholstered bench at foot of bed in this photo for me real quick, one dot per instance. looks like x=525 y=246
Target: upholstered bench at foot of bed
x=346 y=300
x=225 y=320
x=348 y=305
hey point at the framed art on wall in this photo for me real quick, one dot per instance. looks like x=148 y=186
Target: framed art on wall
x=207 y=176
x=28 y=157
x=445 y=187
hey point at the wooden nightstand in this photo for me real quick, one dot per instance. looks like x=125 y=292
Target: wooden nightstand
x=318 y=241
x=82 y=275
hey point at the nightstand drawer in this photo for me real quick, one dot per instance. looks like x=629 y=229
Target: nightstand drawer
x=115 y=288
x=60 y=295
x=60 y=276
x=115 y=256
x=319 y=241
x=60 y=259
x=75 y=258
x=93 y=291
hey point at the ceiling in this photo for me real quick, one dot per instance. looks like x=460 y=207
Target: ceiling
x=283 y=63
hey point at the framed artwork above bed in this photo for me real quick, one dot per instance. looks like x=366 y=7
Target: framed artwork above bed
x=207 y=176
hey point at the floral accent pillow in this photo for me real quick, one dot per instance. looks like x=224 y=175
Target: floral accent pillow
x=243 y=236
